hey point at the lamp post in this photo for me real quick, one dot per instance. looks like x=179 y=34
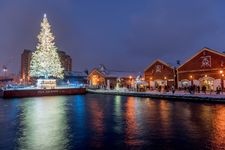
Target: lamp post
x=130 y=77
x=5 y=70
x=165 y=86
x=165 y=78
x=191 y=77
x=21 y=80
x=221 y=78
x=150 y=80
x=222 y=83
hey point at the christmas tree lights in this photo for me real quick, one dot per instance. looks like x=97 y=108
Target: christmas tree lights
x=45 y=60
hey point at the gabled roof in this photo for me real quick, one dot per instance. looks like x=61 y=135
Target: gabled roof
x=122 y=74
x=201 y=50
x=115 y=74
x=160 y=61
x=96 y=69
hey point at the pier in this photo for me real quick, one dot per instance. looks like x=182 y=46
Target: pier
x=168 y=95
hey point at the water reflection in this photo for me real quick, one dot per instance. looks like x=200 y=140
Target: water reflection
x=110 y=122
x=165 y=119
x=8 y=122
x=43 y=124
x=96 y=123
x=118 y=116
x=78 y=114
x=218 y=126
x=132 y=131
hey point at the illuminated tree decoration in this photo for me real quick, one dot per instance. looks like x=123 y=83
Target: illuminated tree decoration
x=45 y=60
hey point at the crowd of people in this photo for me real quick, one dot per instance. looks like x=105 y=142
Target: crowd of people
x=192 y=89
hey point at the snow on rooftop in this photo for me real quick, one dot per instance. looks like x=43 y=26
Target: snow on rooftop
x=118 y=74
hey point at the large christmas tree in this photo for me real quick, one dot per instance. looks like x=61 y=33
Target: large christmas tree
x=45 y=60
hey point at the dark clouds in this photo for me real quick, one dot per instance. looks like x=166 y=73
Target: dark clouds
x=124 y=35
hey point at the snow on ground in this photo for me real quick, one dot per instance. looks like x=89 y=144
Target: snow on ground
x=177 y=93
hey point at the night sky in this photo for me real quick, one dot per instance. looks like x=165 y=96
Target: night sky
x=122 y=34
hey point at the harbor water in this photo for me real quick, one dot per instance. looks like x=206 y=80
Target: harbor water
x=95 y=121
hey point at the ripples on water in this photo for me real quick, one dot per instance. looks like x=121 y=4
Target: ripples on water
x=101 y=121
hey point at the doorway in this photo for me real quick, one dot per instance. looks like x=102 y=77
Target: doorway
x=207 y=82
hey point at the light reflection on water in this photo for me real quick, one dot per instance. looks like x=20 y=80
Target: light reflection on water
x=43 y=124
x=103 y=121
x=218 y=126
x=96 y=123
x=118 y=115
x=132 y=129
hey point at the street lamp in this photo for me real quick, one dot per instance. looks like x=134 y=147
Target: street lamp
x=222 y=75
x=165 y=78
x=222 y=83
x=5 y=70
x=150 y=79
x=191 y=77
x=21 y=80
x=130 y=77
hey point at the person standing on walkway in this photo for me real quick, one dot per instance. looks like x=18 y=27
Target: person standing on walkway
x=218 y=90
x=173 y=89
x=211 y=89
x=204 y=89
x=198 y=89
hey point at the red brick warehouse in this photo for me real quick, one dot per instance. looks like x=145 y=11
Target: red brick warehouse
x=206 y=68
x=159 y=73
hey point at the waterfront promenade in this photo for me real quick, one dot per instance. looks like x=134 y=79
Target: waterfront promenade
x=178 y=95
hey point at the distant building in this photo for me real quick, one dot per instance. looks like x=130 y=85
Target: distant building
x=75 y=77
x=25 y=65
x=102 y=77
x=66 y=61
x=160 y=73
x=26 y=58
